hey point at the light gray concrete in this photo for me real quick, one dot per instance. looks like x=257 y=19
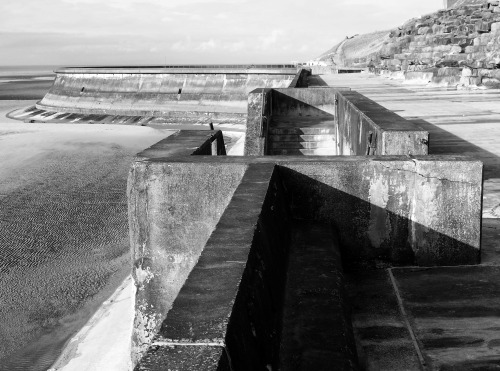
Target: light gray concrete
x=459 y=122
x=452 y=310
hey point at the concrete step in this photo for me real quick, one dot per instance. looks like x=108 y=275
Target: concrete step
x=299 y=131
x=304 y=145
x=301 y=138
x=303 y=152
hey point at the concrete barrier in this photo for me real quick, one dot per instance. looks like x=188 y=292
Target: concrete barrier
x=360 y=126
x=211 y=237
x=366 y=128
x=162 y=91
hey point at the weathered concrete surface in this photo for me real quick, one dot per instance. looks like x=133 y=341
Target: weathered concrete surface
x=360 y=126
x=172 y=212
x=383 y=340
x=214 y=308
x=214 y=311
x=451 y=310
x=186 y=143
x=174 y=120
x=160 y=92
x=258 y=119
x=366 y=128
x=316 y=331
x=456 y=315
x=373 y=203
x=423 y=211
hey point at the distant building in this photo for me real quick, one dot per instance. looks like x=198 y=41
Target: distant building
x=315 y=62
x=449 y=3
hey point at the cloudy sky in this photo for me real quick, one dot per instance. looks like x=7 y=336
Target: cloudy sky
x=124 y=32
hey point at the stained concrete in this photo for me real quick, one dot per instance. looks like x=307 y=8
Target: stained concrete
x=452 y=311
x=157 y=92
x=360 y=125
x=316 y=330
x=250 y=306
x=387 y=332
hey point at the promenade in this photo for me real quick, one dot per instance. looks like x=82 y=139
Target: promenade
x=452 y=311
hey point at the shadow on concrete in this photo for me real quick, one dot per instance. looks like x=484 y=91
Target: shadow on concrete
x=353 y=219
x=261 y=234
x=442 y=142
x=316 y=80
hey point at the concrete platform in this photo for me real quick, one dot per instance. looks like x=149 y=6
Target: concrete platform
x=452 y=312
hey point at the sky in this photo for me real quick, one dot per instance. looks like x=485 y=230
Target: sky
x=157 y=32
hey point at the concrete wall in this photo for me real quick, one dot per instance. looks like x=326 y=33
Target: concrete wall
x=362 y=126
x=300 y=79
x=230 y=308
x=424 y=211
x=224 y=222
x=170 y=248
x=366 y=128
x=158 y=92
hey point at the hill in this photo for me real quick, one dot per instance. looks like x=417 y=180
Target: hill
x=465 y=37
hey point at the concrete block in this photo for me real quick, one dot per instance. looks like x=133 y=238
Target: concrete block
x=169 y=229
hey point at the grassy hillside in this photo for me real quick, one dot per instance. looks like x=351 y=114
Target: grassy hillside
x=357 y=47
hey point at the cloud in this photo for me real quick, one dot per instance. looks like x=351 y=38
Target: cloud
x=207 y=45
x=188 y=31
x=189 y=16
x=270 y=39
x=116 y=4
x=127 y=4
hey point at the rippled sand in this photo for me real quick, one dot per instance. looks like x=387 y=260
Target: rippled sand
x=63 y=230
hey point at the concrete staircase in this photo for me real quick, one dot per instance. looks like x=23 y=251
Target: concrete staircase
x=306 y=139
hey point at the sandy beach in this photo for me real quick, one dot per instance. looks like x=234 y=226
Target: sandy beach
x=64 y=232
x=67 y=297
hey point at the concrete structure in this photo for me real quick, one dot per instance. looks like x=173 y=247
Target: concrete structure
x=174 y=93
x=211 y=237
x=455 y=46
x=295 y=121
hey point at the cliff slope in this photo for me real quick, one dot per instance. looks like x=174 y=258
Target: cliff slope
x=464 y=39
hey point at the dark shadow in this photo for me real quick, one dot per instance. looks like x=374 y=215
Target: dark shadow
x=351 y=217
x=315 y=80
x=297 y=126
x=305 y=103
x=442 y=142
x=253 y=293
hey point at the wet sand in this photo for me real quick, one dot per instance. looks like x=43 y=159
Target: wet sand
x=64 y=245
x=23 y=88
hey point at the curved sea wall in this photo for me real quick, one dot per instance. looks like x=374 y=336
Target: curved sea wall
x=161 y=91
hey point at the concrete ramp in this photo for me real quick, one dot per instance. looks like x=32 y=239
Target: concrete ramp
x=178 y=93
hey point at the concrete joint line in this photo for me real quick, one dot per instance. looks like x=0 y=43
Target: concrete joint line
x=407 y=322
x=427 y=177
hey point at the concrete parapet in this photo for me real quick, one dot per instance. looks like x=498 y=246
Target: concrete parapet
x=211 y=236
x=162 y=92
x=362 y=126
x=366 y=128
x=186 y=143
x=300 y=79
